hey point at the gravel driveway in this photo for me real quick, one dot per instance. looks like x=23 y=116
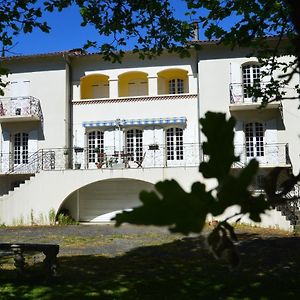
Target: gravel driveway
x=89 y=239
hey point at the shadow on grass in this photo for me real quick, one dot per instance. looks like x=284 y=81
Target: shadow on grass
x=183 y=269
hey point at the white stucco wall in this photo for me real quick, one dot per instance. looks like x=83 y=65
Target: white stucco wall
x=47 y=78
x=217 y=69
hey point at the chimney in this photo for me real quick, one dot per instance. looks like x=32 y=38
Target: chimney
x=195 y=31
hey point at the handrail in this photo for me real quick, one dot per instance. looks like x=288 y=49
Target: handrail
x=36 y=162
x=156 y=155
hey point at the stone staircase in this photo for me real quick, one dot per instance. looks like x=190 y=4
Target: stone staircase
x=291 y=209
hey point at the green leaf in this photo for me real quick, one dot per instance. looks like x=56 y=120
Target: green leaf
x=219 y=133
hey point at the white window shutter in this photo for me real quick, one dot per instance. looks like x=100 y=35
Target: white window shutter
x=235 y=72
x=5 y=151
x=20 y=88
x=32 y=142
x=265 y=79
x=239 y=138
x=271 y=132
x=109 y=142
x=274 y=153
x=236 y=89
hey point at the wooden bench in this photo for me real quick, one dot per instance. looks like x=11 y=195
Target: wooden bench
x=17 y=249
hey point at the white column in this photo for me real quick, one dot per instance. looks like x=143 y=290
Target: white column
x=113 y=88
x=152 y=85
x=192 y=87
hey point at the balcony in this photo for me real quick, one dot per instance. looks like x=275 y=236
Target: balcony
x=268 y=155
x=107 y=158
x=148 y=156
x=20 y=109
x=240 y=100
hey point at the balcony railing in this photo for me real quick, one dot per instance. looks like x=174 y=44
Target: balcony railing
x=150 y=156
x=240 y=95
x=20 y=108
x=268 y=155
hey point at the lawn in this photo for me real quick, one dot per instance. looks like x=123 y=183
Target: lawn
x=162 y=267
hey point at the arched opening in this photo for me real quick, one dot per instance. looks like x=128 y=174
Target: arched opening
x=133 y=84
x=100 y=201
x=94 y=86
x=173 y=81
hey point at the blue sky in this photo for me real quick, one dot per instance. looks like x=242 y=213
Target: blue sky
x=66 y=33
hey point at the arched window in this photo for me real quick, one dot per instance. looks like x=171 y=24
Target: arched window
x=95 y=145
x=176 y=86
x=174 y=141
x=134 y=144
x=254 y=133
x=172 y=81
x=251 y=78
x=20 y=148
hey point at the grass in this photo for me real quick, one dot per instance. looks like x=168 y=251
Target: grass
x=165 y=267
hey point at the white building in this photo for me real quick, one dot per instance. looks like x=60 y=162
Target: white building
x=86 y=135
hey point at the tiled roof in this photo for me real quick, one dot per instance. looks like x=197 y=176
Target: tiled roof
x=135 y=99
x=72 y=52
x=81 y=52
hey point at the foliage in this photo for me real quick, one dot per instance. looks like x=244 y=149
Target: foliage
x=63 y=219
x=154 y=27
x=255 y=22
x=52 y=216
x=186 y=212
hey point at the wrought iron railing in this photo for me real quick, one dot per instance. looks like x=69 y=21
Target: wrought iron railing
x=242 y=94
x=291 y=207
x=106 y=158
x=266 y=154
x=148 y=156
x=40 y=160
x=20 y=106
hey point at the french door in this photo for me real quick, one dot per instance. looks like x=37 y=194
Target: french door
x=20 y=148
x=174 y=146
x=254 y=134
x=95 y=146
x=134 y=144
x=251 y=78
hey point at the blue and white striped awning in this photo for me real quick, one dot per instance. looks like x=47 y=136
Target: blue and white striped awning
x=131 y=122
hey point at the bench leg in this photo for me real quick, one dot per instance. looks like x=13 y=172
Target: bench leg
x=19 y=258
x=50 y=261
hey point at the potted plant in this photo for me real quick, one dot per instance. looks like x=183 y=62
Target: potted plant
x=77 y=166
x=97 y=150
x=66 y=151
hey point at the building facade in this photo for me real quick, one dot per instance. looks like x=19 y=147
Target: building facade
x=85 y=135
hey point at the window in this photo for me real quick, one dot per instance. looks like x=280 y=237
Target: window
x=134 y=144
x=95 y=141
x=21 y=148
x=138 y=87
x=176 y=86
x=251 y=78
x=100 y=90
x=254 y=133
x=174 y=140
